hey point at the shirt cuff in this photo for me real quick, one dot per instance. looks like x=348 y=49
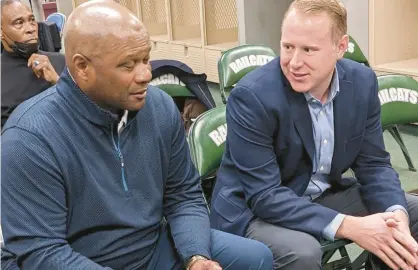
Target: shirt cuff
x=332 y=228
x=397 y=207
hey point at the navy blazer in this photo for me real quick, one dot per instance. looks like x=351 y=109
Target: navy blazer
x=267 y=164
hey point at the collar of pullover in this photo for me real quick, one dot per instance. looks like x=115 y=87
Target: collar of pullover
x=78 y=100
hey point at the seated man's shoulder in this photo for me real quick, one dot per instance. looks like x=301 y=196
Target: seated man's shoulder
x=262 y=76
x=266 y=83
x=357 y=71
x=35 y=114
x=363 y=80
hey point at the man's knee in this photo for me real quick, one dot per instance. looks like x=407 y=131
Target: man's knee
x=291 y=249
x=237 y=252
x=257 y=256
x=307 y=255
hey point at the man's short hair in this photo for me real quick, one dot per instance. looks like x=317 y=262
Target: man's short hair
x=8 y=2
x=333 y=8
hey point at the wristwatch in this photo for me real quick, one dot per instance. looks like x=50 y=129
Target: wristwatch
x=194 y=259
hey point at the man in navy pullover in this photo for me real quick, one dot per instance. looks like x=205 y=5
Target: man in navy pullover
x=96 y=171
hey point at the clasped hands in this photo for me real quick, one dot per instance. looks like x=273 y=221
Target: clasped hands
x=386 y=235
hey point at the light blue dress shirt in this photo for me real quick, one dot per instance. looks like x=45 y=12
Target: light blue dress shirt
x=323 y=133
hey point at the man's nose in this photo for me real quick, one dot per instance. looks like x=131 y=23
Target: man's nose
x=143 y=74
x=296 y=61
x=30 y=28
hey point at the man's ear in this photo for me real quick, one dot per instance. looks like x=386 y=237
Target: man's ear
x=81 y=66
x=342 y=46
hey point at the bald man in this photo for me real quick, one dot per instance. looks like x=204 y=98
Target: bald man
x=96 y=171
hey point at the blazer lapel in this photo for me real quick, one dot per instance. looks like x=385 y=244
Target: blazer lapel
x=342 y=117
x=302 y=118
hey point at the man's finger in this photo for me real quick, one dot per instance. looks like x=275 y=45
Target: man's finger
x=391 y=223
x=394 y=257
x=215 y=267
x=387 y=215
x=34 y=57
x=386 y=259
x=211 y=265
x=39 y=69
x=403 y=252
x=407 y=241
x=31 y=59
x=40 y=66
x=37 y=73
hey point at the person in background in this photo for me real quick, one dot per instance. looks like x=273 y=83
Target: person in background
x=96 y=171
x=25 y=70
x=295 y=126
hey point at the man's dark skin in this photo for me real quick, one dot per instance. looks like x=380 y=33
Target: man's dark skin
x=18 y=24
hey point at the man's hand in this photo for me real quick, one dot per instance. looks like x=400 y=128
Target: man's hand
x=42 y=68
x=401 y=222
x=373 y=234
x=205 y=265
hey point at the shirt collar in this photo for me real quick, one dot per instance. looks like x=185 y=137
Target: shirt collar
x=78 y=100
x=334 y=89
x=123 y=121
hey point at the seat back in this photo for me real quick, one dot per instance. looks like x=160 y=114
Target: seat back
x=235 y=63
x=207 y=138
x=59 y=19
x=176 y=90
x=354 y=53
x=398 y=96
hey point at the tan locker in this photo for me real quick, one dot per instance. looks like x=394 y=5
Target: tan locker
x=211 y=60
x=185 y=22
x=160 y=50
x=221 y=22
x=393 y=43
x=129 y=4
x=221 y=28
x=194 y=57
x=177 y=52
x=153 y=14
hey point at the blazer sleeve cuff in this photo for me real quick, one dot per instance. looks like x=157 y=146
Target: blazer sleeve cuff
x=331 y=229
x=397 y=207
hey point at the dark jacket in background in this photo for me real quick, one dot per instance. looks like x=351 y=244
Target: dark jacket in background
x=49 y=37
x=195 y=82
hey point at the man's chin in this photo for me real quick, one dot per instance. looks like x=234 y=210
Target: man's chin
x=300 y=87
x=136 y=106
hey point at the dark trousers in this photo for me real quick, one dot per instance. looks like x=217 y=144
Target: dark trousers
x=230 y=251
x=298 y=250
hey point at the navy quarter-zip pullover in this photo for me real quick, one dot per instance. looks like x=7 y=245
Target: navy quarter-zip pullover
x=77 y=194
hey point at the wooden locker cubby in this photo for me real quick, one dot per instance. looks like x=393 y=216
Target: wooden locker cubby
x=221 y=24
x=153 y=14
x=185 y=22
x=393 y=36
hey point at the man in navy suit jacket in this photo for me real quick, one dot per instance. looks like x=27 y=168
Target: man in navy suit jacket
x=295 y=126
